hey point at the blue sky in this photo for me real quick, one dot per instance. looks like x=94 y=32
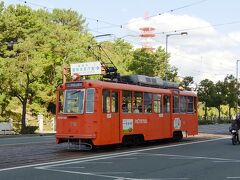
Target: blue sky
x=204 y=53
x=120 y=12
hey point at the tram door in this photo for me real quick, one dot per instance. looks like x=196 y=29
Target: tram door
x=167 y=116
x=110 y=121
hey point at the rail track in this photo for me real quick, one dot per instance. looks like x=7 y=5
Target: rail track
x=20 y=154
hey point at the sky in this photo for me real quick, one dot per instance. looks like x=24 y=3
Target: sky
x=210 y=49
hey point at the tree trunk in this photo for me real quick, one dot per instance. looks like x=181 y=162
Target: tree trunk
x=229 y=112
x=24 y=112
x=24 y=105
x=205 y=114
x=219 y=113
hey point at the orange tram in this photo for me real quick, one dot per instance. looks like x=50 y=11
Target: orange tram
x=95 y=113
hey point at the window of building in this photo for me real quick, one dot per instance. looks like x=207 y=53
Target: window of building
x=126 y=101
x=114 y=102
x=147 y=102
x=183 y=104
x=176 y=104
x=90 y=100
x=157 y=103
x=137 y=103
x=106 y=101
x=166 y=103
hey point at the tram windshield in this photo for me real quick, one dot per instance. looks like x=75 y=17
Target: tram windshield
x=74 y=101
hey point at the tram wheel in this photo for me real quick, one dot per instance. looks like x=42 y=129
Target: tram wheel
x=177 y=136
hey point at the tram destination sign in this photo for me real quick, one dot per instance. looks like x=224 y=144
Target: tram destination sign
x=88 y=68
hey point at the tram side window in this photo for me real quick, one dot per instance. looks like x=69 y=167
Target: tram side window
x=166 y=104
x=90 y=100
x=114 y=102
x=183 y=104
x=137 y=103
x=157 y=103
x=147 y=102
x=189 y=104
x=195 y=104
x=106 y=101
x=175 y=104
x=127 y=101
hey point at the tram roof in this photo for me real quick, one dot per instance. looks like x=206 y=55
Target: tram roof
x=132 y=87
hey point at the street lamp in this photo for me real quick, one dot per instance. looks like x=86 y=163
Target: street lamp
x=168 y=35
x=237 y=84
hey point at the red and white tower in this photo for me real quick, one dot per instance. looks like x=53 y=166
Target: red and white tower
x=146 y=34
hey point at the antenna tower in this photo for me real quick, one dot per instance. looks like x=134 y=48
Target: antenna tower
x=146 y=34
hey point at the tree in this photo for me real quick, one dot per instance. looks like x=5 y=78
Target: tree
x=143 y=62
x=186 y=82
x=205 y=93
x=18 y=28
x=160 y=56
x=33 y=47
x=231 y=88
x=120 y=53
x=218 y=97
x=151 y=64
x=69 y=18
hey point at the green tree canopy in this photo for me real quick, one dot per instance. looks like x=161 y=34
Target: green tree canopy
x=34 y=44
x=205 y=93
x=186 y=82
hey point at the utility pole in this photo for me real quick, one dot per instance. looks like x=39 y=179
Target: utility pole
x=237 y=85
x=166 y=59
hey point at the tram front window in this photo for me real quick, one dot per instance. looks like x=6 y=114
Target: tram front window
x=74 y=100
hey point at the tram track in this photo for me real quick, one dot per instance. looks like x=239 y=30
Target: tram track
x=26 y=154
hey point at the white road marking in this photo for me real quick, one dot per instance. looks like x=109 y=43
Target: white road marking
x=187 y=157
x=107 y=172
x=89 y=160
x=100 y=174
x=228 y=161
x=180 y=158
x=88 y=174
x=233 y=177
x=109 y=155
x=124 y=158
x=160 y=179
x=165 y=178
x=72 y=167
x=97 y=162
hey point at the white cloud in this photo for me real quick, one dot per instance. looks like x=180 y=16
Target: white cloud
x=203 y=53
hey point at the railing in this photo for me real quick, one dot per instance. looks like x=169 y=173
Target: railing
x=6 y=128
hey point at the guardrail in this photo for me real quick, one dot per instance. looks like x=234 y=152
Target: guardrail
x=6 y=128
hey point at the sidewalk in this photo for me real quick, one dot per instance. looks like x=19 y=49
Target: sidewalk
x=45 y=133
x=214 y=129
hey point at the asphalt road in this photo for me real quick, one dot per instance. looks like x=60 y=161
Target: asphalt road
x=195 y=158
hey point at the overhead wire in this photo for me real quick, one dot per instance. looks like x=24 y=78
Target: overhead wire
x=112 y=25
x=200 y=27
x=122 y=25
x=172 y=10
